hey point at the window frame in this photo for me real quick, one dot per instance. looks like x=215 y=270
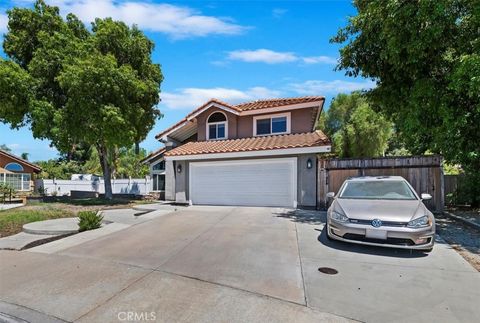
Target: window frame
x=156 y=178
x=21 y=180
x=271 y=116
x=14 y=170
x=156 y=163
x=208 y=124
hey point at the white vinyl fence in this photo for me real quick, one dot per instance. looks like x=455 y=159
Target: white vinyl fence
x=134 y=186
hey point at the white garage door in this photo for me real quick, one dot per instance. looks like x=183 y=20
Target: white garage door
x=261 y=182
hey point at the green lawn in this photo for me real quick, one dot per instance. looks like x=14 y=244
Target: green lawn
x=11 y=221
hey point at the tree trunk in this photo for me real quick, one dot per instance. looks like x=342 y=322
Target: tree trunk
x=107 y=171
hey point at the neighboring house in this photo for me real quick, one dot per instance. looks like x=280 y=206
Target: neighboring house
x=260 y=153
x=17 y=172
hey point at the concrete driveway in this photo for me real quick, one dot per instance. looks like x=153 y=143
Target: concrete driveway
x=227 y=264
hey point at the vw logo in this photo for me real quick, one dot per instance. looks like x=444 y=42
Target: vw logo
x=376 y=223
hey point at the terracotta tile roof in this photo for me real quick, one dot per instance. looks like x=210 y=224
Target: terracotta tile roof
x=274 y=103
x=247 y=106
x=193 y=112
x=301 y=140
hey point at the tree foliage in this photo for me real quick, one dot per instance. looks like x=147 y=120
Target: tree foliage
x=425 y=58
x=126 y=164
x=356 y=130
x=5 y=148
x=74 y=86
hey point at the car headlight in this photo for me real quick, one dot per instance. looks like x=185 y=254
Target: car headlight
x=339 y=217
x=421 y=222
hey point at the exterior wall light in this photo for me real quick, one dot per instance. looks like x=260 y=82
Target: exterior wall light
x=309 y=163
x=179 y=168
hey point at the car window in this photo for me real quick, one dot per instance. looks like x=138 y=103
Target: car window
x=378 y=190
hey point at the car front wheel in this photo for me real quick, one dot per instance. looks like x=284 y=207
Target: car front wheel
x=326 y=231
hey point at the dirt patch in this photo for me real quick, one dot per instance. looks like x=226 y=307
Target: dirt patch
x=464 y=239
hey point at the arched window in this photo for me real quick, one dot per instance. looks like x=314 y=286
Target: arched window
x=217 y=126
x=14 y=167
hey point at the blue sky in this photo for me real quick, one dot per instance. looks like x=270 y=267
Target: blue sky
x=232 y=50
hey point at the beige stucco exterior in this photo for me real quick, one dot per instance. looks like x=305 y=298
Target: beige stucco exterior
x=301 y=121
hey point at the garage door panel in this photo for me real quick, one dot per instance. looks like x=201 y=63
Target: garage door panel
x=251 y=182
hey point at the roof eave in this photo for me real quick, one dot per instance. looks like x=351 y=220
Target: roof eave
x=324 y=148
x=35 y=168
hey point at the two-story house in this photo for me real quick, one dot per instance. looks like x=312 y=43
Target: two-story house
x=260 y=153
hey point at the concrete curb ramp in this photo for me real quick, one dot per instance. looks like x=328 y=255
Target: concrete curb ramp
x=24 y=240
x=155 y=207
x=459 y=218
x=52 y=227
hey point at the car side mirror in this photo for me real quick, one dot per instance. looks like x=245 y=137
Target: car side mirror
x=330 y=195
x=426 y=196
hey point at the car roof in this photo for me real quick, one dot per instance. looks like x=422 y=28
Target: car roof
x=376 y=178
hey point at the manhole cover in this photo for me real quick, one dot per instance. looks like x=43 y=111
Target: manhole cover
x=328 y=271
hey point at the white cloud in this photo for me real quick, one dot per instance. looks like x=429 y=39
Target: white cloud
x=262 y=55
x=316 y=87
x=189 y=98
x=319 y=59
x=272 y=57
x=278 y=12
x=176 y=21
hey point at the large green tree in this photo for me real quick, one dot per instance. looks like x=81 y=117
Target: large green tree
x=425 y=57
x=356 y=130
x=74 y=86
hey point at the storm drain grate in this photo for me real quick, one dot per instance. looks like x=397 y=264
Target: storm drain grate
x=328 y=270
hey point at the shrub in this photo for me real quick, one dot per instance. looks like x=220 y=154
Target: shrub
x=89 y=220
x=6 y=190
x=41 y=190
x=468 y=190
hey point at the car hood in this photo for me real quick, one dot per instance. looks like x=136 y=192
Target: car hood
x=385 y=210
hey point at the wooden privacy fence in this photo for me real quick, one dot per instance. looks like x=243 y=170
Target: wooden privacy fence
x=424 y=173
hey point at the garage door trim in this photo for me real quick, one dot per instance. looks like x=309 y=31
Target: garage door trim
x=291 y=160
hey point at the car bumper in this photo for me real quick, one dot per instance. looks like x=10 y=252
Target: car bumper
x=396 y=237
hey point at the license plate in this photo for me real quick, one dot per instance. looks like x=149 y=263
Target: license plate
x=376 y=234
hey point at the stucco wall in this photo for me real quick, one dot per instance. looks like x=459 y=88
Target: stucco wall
x=170 y=180
x=181 y=183
x=242 y=127
x=307 y=181
x=301 y=121
x=202 y=119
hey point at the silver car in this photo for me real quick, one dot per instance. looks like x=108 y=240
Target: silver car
x=381 y=211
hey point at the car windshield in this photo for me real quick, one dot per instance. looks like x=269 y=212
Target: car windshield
x=378 y=190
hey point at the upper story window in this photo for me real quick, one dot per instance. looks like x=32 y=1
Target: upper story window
x=14 y=167
x=217 y=126
x=274 y=124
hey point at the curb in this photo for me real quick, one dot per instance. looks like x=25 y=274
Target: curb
x=467 y=222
